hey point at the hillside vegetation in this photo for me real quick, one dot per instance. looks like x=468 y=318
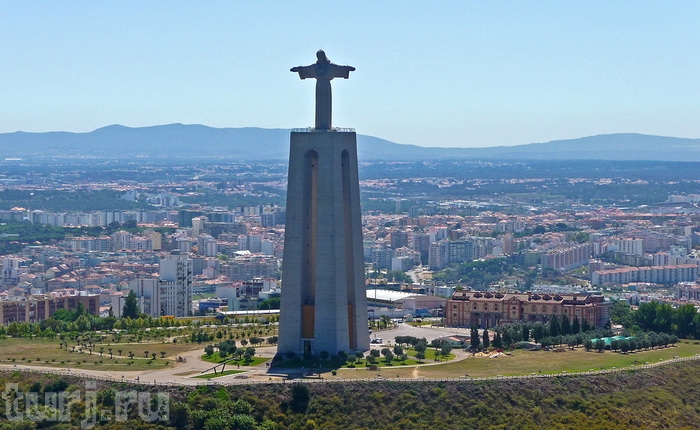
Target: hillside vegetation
x=665 y=397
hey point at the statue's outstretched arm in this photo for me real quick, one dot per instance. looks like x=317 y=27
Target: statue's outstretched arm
x=304 y=71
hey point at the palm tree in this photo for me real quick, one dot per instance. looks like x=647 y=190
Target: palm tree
x=384 y=320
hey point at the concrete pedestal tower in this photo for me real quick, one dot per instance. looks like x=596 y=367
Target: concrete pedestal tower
x=324 y=304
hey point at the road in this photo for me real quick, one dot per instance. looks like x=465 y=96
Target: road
x=428 y=332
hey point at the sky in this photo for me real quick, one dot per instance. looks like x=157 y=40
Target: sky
x=429 y=73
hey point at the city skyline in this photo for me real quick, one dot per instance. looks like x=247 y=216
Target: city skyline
x=464 y=74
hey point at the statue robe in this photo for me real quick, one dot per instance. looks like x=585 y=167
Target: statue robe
x=323 y=73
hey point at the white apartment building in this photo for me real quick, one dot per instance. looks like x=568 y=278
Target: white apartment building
x=171 y=293
x=175 y=283
x=630 y=246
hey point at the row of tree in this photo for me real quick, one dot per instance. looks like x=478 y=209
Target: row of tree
x=682 y=321
x=644 y=341
x=517 y=332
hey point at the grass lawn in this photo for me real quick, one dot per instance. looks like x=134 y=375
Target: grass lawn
x=528 y=362
x=381 y=362
x=219 y=374
x=420 y=324
x=214 y=358
x=411 y=361
x=45 y=352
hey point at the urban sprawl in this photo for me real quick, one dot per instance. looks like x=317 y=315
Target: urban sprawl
x=475 y=261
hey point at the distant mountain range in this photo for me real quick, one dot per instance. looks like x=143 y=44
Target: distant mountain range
x=257 y=144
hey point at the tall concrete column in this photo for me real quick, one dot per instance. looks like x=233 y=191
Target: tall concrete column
x=324 y=305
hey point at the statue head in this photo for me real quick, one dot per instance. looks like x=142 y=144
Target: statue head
x=321 y=56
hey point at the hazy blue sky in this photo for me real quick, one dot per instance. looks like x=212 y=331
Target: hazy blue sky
x=431 y=73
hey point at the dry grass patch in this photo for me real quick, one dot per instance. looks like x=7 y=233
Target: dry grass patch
x=529 y=362
x=44 y=352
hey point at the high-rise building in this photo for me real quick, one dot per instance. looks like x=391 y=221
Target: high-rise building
x=175 y=284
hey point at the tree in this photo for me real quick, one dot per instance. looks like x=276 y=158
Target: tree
x=554 y=329
x=208 y=350
x=420 y=355
x=620 y=313
x=664 y=318
x=576 y=326
x=247 y=355
x=486 y=341
x=131 y=308
x=445 y=349
x=388 y=355
x=565 y=325
x=79 y=310
x=384 y=321
x=538 y=332
x=646 y=315
x=588 y=344
x=300 y=398
x=684 y=321
x=497 y=341
x=526 y=333
x=600 y=345
x=267 y=304
x=474 y=340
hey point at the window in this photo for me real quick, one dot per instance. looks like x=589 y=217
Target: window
x=486 y=307
x=544 y=309
x=454 y=306
x=495 y=308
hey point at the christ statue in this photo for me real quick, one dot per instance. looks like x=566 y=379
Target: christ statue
x=323 y=71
